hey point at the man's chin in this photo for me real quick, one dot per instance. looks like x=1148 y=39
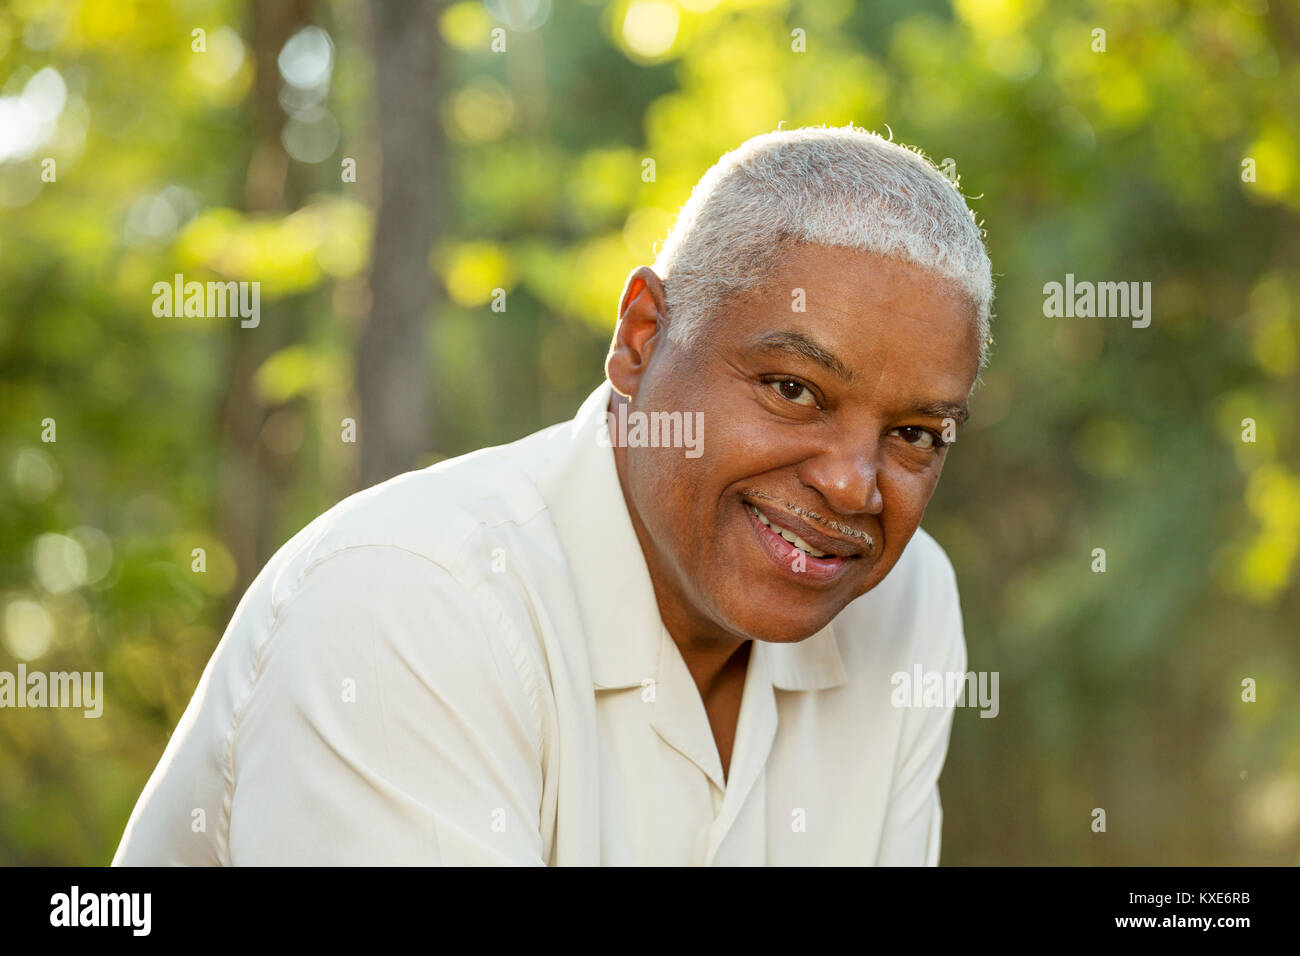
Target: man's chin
x=779 y=616
x=781 y=628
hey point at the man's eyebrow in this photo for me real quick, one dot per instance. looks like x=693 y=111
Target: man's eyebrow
x=798 y=344
x=957 y=411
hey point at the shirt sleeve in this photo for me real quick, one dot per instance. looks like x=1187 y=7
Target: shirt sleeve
x=914 y=821
x=392 y=721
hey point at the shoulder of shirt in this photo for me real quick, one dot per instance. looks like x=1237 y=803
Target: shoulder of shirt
x=434 y=513
x=931 y=566
x=923 y=574
x=417 y=543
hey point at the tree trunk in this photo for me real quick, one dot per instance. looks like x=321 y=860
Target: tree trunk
x=249 y=483
x=393 y=378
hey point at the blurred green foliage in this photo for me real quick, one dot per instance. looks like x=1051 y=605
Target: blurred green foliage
x=1120 y=690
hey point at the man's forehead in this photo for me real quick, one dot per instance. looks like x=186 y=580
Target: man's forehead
x=898 y=290
x=818 y=283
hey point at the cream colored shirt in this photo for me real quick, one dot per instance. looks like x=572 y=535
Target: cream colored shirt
x=466 y=665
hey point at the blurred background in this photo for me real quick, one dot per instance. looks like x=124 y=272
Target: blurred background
x=381 y=169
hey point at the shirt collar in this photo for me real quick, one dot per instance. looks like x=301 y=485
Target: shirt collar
x=612 y=583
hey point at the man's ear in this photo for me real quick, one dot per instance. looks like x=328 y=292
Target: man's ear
x=642 y=326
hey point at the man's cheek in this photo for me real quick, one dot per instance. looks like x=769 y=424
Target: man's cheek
x=756 y=448
x=907 y=494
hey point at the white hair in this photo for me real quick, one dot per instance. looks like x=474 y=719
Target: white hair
x=827 y=186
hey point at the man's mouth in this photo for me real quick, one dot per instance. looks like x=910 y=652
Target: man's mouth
x=789 y=548
x=810 y=537
x=789 y=535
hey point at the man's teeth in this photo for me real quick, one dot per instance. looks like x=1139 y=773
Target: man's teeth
x=790 y=536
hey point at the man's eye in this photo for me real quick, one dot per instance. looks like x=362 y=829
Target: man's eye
x=919 y=437
x=792 y=391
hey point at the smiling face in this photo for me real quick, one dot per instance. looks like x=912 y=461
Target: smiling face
x=825 y=426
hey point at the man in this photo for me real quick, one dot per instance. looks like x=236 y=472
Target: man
x=663 y=632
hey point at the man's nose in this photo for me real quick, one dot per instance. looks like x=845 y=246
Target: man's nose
x=848 y=478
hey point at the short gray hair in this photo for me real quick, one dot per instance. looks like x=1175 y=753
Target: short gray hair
x=830 y=186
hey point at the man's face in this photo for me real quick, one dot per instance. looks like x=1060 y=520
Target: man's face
x=825 y=423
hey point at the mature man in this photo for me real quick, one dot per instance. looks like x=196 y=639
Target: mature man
x=604 y=643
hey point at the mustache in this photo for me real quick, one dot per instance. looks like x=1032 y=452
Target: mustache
x=830 y=523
